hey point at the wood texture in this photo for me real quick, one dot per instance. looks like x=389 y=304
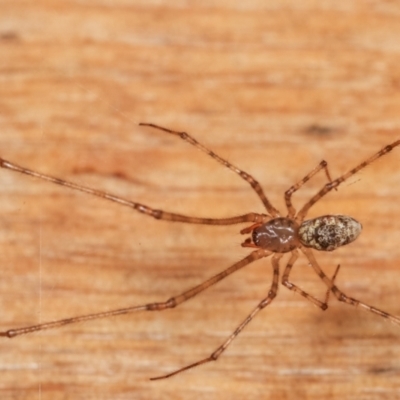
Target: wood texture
x=274 y=87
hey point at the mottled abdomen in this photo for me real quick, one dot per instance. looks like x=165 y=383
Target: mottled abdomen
x=329 y=232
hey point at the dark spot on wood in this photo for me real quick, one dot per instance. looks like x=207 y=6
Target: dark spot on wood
x=9 y=36
x=382 y=370
x=321 y=130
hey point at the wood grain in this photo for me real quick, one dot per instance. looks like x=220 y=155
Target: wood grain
x=272 y=86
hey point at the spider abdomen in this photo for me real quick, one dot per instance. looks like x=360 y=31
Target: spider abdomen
x=329 y=232
x=278 y=235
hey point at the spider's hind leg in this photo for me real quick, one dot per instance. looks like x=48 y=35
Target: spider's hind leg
x=288 y=194
x=335 y=183
x=291 y=286
x=343 y=297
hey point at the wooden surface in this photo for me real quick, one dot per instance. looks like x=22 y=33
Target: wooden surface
x=272 y=86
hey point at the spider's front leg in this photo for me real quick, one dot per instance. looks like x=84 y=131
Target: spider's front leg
x=170 y=303
x=142 y=208
x=243 y=174
x=265 y=302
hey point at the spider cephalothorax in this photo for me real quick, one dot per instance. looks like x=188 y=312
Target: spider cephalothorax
x=279 y=235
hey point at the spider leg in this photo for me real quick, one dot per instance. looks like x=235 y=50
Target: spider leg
x=291 y=286
x=333 y=281
x=251 y=228
x=343 y=297
x=157 y=214
x=335 y=183
x=171 y=303
x=215 y=355
x=288 y=194
x=244 y=175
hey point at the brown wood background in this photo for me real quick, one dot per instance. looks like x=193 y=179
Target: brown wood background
x=272 y=86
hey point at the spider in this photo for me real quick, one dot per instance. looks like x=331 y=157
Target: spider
x=270 y=235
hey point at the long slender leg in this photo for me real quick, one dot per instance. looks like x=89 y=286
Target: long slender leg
x=288 y=194
x=244 y=175
x=157 y=214
x=292 y=286
x=172 y=302
x=333 y=280
x=335 y=183
x=215 y=355
x=343 y=297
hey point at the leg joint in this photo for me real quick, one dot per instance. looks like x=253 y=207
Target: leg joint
x=171 y=303
x=287 y=284
x=157 y=214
